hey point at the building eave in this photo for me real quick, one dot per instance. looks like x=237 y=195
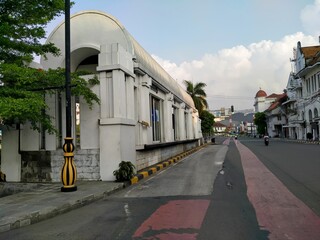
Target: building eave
x=306 y=70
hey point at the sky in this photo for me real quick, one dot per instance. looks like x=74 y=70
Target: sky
x=236 y=47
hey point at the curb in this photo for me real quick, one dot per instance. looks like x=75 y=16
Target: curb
x=298 y=141
x=158 y=167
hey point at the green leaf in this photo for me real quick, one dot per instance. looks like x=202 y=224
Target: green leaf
x=22 y=30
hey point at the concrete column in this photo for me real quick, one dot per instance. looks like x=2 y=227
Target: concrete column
x=51 y=139
x=182 y=125
x=190 y=133
x=105 y=91
x=144 y=110
x=117 y=143
x=167 y=117
x=10 y=158
x=117 y=125
x=130 y=97
x=119 y=94
x=89 y=129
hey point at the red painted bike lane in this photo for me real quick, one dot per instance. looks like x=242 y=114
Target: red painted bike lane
x=178 y=219
x=277 y=209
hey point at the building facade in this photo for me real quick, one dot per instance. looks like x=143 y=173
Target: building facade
x=271 y=105
x=219 y=128
x=303 y=89
x=276 y=116
x=144 y=115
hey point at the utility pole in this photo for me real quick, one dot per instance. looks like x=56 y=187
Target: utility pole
x=68 y=172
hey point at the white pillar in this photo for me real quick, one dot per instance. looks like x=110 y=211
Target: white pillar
x=144 y=110
x=130 y=97
x=10 y=158
x=119 y=94
x=190 y=133
x=117 y=126
x=182 y=125
x=167 y=117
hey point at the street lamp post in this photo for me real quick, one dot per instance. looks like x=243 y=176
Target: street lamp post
x=68 y=172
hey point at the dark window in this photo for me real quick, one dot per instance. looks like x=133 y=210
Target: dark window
x=155 y=119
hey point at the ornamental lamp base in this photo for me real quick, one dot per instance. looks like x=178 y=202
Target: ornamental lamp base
x=69 y=189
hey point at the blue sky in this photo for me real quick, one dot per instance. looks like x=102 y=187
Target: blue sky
x=234 y=46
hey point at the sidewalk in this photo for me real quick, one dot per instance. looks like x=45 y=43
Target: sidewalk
x=45 y=200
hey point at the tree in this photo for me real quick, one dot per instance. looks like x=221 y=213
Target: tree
x=22 y=28
x=260 y=121
x=207 y=121
x=198 y=94
x=22 y=88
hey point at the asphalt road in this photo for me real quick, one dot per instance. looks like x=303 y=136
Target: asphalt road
x=208 y=195
x=185 y=187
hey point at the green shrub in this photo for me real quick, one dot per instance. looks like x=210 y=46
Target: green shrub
x=125 y=171
x=309 y=136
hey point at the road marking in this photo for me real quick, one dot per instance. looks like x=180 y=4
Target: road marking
x=126 y=210
x=178 y=219
x=278 y=210
x=226 y=142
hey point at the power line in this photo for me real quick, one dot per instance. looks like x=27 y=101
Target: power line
x=231 y=97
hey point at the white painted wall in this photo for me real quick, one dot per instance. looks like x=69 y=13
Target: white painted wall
x=10 y=158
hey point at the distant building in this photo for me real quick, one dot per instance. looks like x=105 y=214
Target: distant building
x=219 y=128
x=276 y=117
x=271 y=105
x=303 y=89
x=221 y=114
x=234 y=122
x=263 y=101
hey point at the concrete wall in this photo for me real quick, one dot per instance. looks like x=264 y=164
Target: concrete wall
x=147 y=158
x=36 y=166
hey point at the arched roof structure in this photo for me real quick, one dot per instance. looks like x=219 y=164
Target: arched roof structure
x=261 y=93
x=90 y=30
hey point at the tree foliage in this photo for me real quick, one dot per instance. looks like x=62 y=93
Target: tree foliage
x=22 y=89
x=22 y=28
x=260 y=121
x=198 y=94
x=207 y=121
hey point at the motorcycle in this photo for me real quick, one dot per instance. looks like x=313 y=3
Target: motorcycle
x=266 y=140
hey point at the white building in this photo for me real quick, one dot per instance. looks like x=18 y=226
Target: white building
x=144 y=116
x=262 y=101
x=276 y=117
x=219 y=128
x=304 y=93
x=271 y=105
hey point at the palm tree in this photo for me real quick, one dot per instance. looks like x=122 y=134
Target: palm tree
x=198 y=94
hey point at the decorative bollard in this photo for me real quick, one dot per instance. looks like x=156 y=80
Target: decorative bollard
x=68 y=172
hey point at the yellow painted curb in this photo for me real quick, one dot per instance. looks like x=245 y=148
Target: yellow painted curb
x=160 y=166
x=134 y=180
x=145 y=174
x=153 y=170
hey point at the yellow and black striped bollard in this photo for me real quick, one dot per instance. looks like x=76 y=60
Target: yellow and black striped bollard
x=69 y=171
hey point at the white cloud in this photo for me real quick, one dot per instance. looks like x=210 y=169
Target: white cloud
x=310 y=17
x=233 y=76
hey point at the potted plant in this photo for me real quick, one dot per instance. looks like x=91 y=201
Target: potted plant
x=125 y=171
